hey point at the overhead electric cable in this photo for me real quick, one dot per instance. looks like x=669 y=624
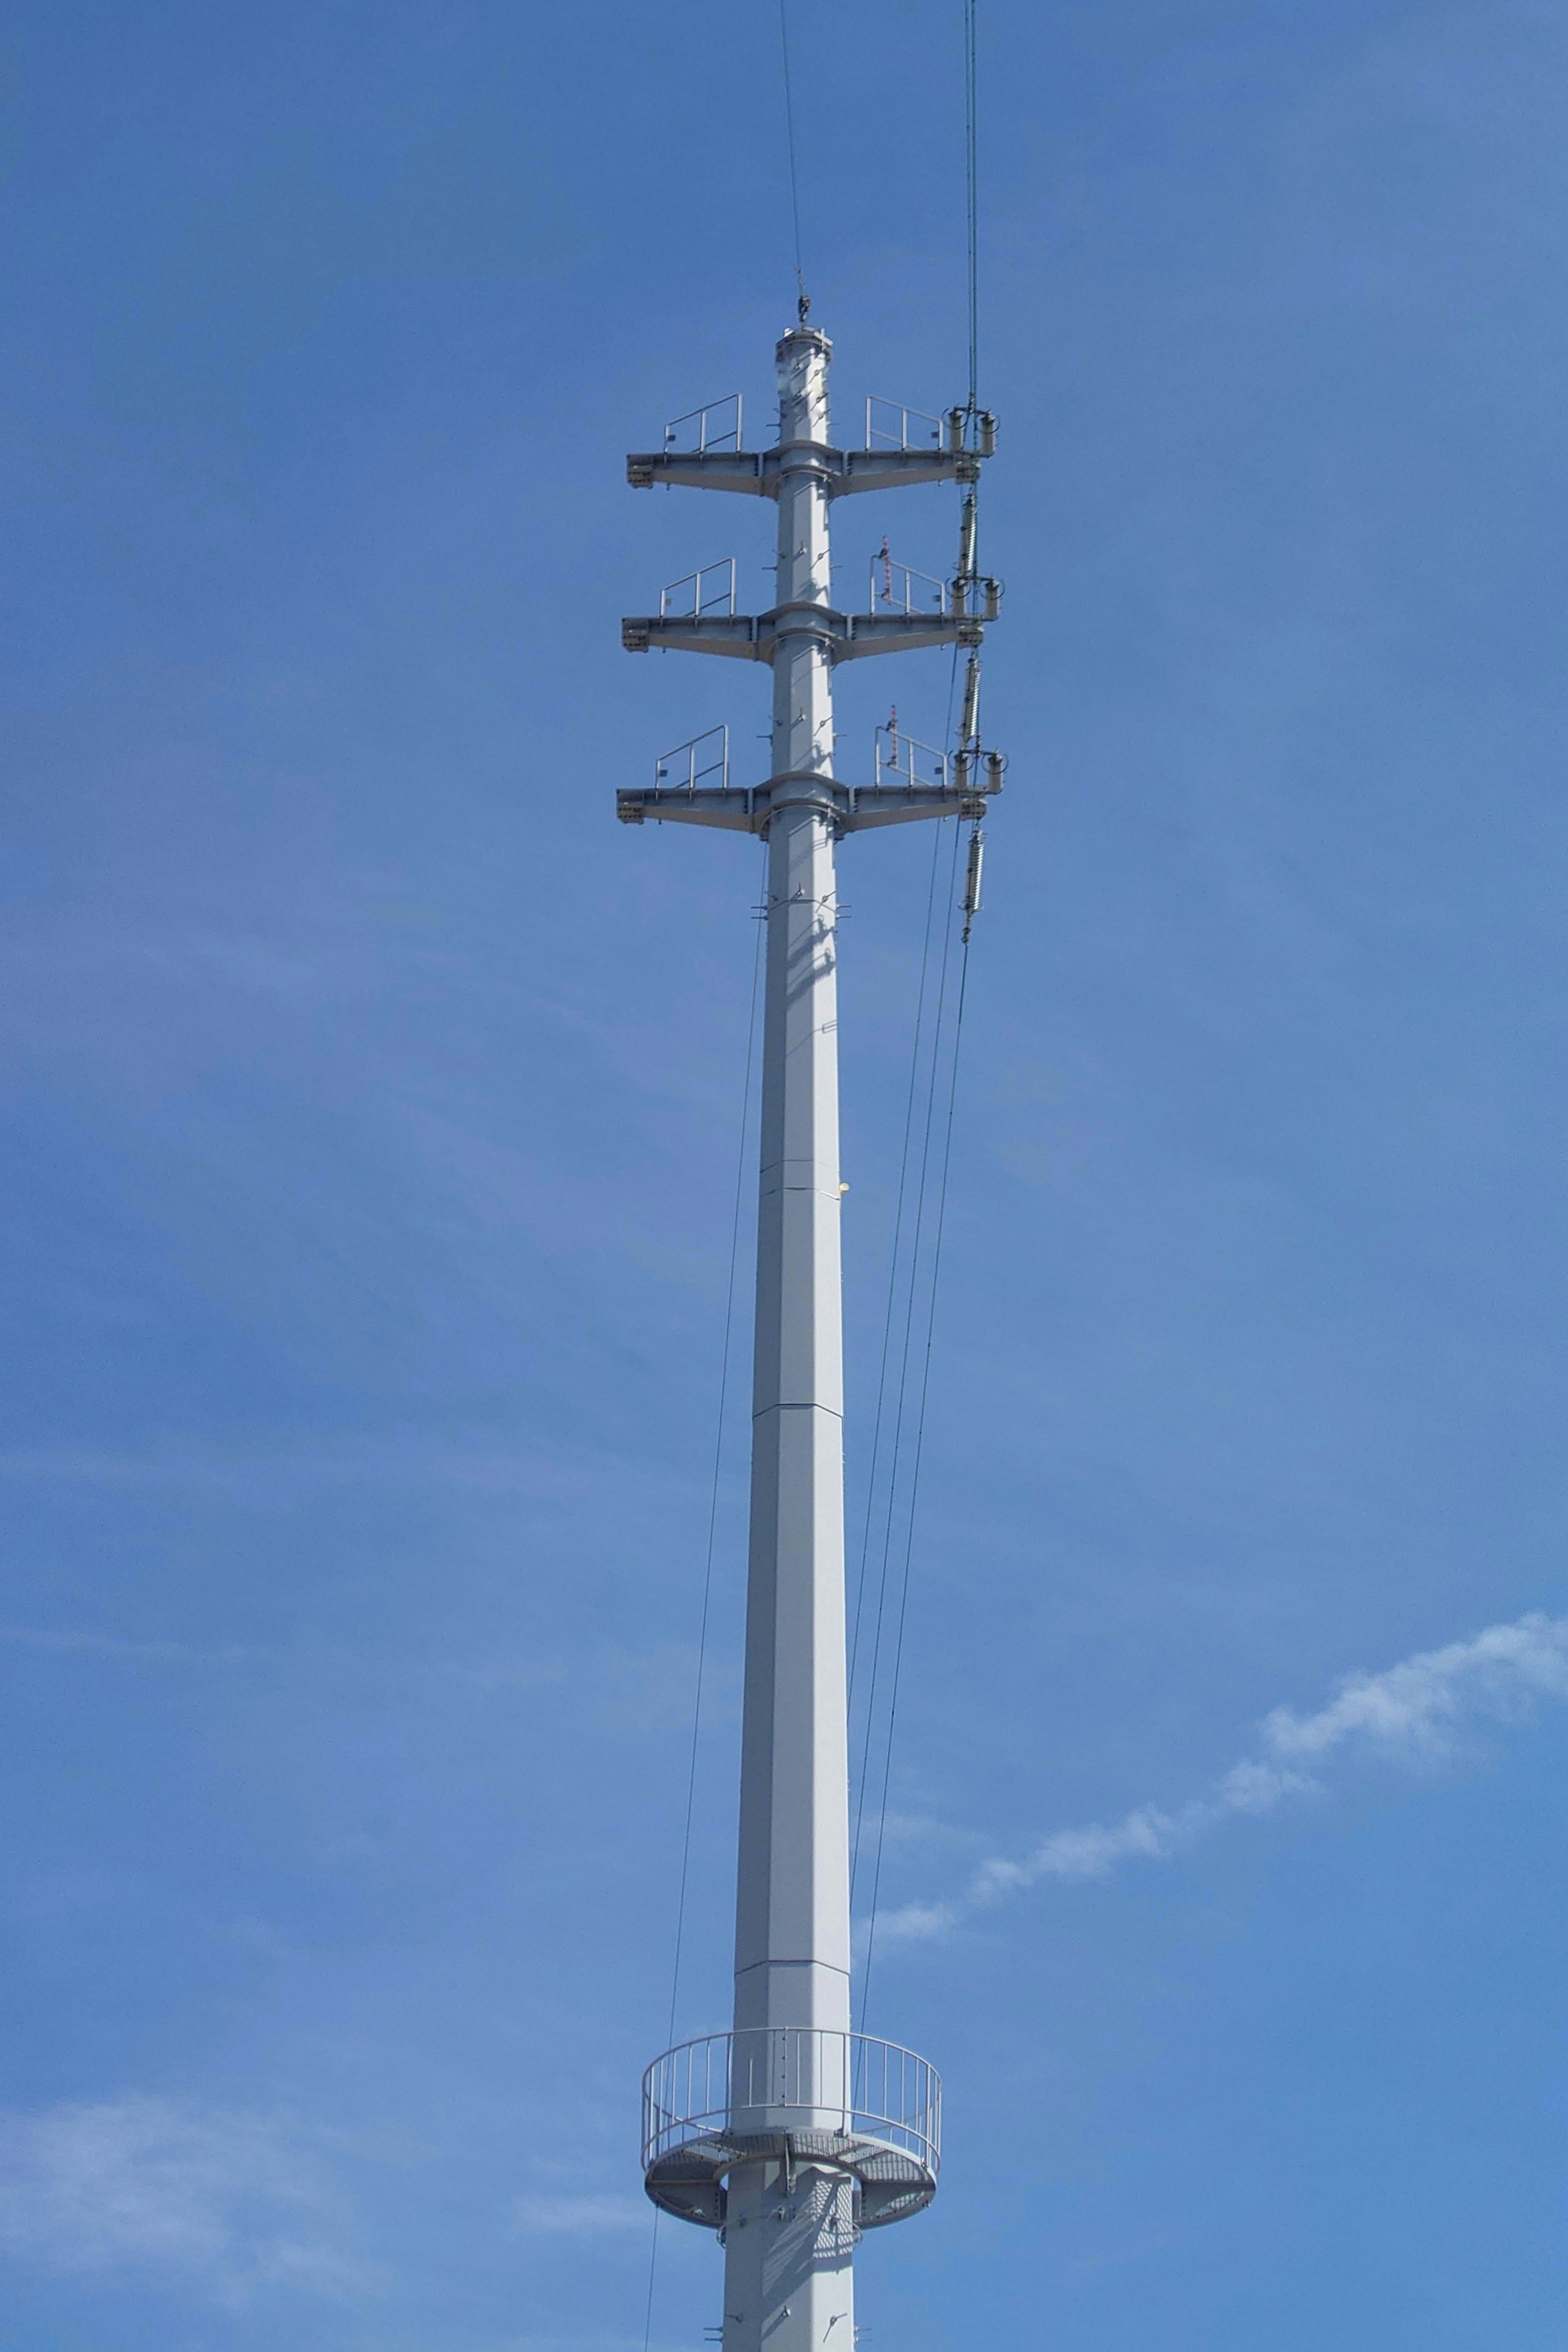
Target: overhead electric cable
x=895 y=1258
x=794 y=172
x=972 y=193
x=718 y=1460
x=969 y=739
x=901 y=1277
x=915 y=1472
x=707 y=1560
x=864 y=1778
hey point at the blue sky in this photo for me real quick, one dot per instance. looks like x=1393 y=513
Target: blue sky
x=371 y=1105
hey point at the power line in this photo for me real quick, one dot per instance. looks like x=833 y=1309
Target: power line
x=968 y=568
x=915 y=1470
x=896 y=1279
x=794 y=172
x=894 y=1261
x=972 y=193
x=865 y=1776
x=652 y=2273
x=972 y=224
x=707 y=1561
x=718 y=1459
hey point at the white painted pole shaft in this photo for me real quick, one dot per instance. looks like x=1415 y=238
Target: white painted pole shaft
x=788 y=2241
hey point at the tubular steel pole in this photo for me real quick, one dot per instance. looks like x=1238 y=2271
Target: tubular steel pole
x=789 y=2234
x=800 y=2157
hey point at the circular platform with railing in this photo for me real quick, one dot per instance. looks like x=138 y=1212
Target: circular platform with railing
x=805 y=2094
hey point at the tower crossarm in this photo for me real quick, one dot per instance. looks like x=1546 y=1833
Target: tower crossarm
x=730 y=812
x=755 y=473
x=850 y=808
x=845 y=636
x=702 y=469
x=739 y=634
x=896 y=469
x=904 y=633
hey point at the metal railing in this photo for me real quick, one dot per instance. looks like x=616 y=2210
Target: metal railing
x=895 y=588
x=716 y=426
x=902 y=764
x=891 y=426
x=690 y=599
x=764 y=2080
x=702 y=764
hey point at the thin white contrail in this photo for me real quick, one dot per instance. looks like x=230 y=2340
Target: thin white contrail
x=1408 y=1714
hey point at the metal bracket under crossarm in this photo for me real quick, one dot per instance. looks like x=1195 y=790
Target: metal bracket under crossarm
x=847 y=636
x=756 y=472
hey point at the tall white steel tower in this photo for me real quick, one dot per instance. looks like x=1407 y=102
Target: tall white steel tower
x=791 y=2134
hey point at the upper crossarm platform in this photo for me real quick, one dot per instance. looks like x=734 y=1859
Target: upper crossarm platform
x=756 y=472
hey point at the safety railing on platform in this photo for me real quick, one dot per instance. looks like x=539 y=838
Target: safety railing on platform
x=903 y=765
x=896 y=588
x=715 y=426
x=710 y=589
x=700 y=765
x=891 y=426
x=763 y=2080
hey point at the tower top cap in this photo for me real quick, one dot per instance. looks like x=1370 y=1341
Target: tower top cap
x=803 y=338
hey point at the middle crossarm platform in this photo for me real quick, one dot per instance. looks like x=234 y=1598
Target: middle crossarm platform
x=848 y=636
x=853 y=808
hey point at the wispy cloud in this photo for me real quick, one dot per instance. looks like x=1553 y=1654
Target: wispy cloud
x=284 y=1471
x=1410 y=1714
x=590 y=2216
x=64 y=1641
x=489 y=1675
x=237 y=2201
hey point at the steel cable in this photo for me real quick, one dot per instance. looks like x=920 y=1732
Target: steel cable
x=893 y=1267
x=865 y=1777
x=794 y=172
x=971 y=223
x=915 y=1473
x=972 y=195
x=724 y=1359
